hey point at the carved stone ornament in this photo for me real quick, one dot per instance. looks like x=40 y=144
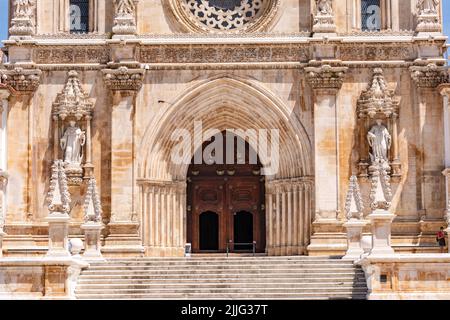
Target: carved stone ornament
x=22 y=23
x=353 y=202
x=429 y=76
x=325 y=76
x=377 y=98
x=447 y=214
x=58 y=197
x=428 y=16
x=72 y=101
x=92 y=204
x=323 y=19
x=125 y=17
x=123 y=78
x=22 y=81
x=380 y=191
x=218 y=16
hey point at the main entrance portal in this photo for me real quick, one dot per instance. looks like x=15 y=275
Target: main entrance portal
x=226 y=200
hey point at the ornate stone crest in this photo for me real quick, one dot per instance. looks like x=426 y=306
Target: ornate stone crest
x=58 y=197
x=92 y=204
x=125 y=17
x=380 y=191
x=22 y=23
x=427 y=16
x=353 y=202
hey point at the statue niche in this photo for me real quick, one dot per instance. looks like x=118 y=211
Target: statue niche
x=377 y=112
x=72 y=114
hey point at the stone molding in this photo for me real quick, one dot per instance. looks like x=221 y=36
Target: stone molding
x=123 y=79
x=325 y=76
x=22 y=81
x=429 y=76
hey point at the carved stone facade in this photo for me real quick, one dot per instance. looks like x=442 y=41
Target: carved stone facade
x=147 y=68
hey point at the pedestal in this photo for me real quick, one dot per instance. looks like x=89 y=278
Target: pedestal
x=354 y=229
x=381 y=221
x=92 y=245
x=2 y=235
x=58 y=231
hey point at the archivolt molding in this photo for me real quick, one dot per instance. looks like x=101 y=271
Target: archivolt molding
x=261 y=21
x=222 y=103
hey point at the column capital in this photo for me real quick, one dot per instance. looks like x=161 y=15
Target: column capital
x=20 y=80
x=123 y=79
x=444 y=89
x=428 y=76
x=326 y=76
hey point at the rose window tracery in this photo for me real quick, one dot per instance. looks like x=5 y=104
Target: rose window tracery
x=224 y=15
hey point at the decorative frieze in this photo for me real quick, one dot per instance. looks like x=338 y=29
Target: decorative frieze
x=323 y=18
x=429 y=76
x=70 y=55
x=123 y=79
x=23 y=21
x=378 y=52
x=23 y=81
x=325 y=76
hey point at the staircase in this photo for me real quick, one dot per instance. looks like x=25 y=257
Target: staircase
x=218 y=277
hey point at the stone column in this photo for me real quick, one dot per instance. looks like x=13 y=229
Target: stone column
x=445 y=92
x=430 y=142
x=4 y=95
x=88 y=166
x=124 y=84
x=22 y=83
x=326 y=82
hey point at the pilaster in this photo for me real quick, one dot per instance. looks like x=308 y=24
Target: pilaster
x=124 y=84
x=444 y=89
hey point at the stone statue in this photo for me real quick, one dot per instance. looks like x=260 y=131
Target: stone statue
x=71 y=143
x=324 y=7
x=380 y=142
x=427 y=6
x=125 y=7
x=23 y=8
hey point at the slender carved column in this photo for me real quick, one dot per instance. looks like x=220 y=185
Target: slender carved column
x=430 y=138
x=326 y=82
x=124 y=84
x=4 y=95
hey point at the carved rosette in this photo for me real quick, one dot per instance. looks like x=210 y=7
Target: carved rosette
x=378 y=102
x=22 y=23
x=125 y=17
x=325 y=77
x=323 y=18
x=353 y=202
x=427 y=16
x=58 y=197
x=22 y=81
x=429 y=76
x=123 y=79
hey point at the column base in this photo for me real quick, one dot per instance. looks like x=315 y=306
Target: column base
x=354 y=233
x=58 y=234
x=381 y=221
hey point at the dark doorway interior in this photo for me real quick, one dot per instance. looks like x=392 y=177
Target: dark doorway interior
x=209 y=231
x=243 y=230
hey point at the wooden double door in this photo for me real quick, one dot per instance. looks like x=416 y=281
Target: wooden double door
x=225 y=208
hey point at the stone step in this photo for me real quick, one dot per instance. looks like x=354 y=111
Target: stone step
x=188 y=290
x=249 y=277
x=225 y=279
x=234 y=296
x=223 y=285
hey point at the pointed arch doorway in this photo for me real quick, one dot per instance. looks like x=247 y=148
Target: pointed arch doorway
x=226 y=201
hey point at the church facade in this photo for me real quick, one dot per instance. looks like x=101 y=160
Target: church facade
x=330 y=87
